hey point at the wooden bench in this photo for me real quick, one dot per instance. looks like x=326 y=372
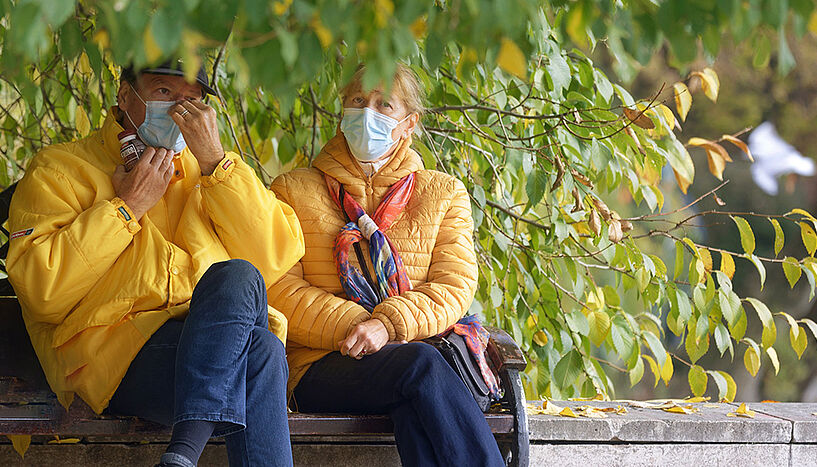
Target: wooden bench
x=28 y=407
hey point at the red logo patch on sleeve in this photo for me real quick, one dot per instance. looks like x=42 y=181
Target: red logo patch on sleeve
x=21 y=233
x=226 y=164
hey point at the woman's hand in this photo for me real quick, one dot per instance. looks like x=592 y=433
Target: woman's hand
x=365 y=339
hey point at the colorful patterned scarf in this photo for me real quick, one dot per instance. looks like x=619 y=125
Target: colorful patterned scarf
x=390 y=274
x=476 y=338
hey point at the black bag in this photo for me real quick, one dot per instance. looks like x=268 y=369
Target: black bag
x=455 y=351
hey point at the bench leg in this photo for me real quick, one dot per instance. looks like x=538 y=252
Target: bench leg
x=515 y=398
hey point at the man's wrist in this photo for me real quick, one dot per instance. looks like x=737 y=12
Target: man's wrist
x=208 y=167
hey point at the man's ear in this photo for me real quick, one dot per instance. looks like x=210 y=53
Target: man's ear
x=123 y=93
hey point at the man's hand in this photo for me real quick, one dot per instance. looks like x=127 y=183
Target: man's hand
x=364 y=339
x=199 y=126
x=145 y=184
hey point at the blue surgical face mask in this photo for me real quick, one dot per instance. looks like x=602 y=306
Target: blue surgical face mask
x=159 y=130
x=368 y=132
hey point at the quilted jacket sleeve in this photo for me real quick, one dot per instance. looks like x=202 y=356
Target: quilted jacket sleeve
x=252 y=223
x=67 y=249
x=435 y=305
x=317 y=319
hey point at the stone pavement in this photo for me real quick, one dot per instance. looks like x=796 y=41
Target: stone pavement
x=780 y=434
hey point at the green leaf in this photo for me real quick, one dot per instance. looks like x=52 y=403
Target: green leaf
x=559 y=72
x=679 y=259
x=721 y=383
x=697 y=380
x=761 y=270
x=637 y=372
x=568 y=369
x=656 y=348
x=809 y=237
x=747 y=237
x=722 y=339
x=762 y=311
x=732 y=388
x=779 y=238
x=738 y=329
x=536 y=186
x=791 y=268
x=696 y=348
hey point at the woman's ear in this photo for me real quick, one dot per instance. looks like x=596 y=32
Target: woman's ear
x=413 y=120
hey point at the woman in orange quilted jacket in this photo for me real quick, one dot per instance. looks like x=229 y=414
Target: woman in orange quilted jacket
x=389 y=261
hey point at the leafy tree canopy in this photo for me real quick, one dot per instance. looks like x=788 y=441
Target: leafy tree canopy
x=563 y=164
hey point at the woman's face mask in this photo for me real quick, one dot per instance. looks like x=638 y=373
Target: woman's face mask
x=368 y=132
x=159 y=130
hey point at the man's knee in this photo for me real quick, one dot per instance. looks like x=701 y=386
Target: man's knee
x=267 y=349
x=231 y=273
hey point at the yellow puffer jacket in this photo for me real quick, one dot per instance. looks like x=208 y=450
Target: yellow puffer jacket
x=433 y=236
x=95 y=284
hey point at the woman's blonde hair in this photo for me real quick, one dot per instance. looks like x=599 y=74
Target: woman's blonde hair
x=405 y=86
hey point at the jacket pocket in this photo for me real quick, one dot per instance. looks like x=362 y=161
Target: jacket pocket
x=90 y=314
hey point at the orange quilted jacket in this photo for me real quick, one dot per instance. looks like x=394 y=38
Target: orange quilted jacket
x=433 y=236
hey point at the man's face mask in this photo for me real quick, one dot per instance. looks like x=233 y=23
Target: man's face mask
x=368 y=132
x=159 y=130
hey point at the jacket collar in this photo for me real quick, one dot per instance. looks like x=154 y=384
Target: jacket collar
x=109 y=134
x=336 y=160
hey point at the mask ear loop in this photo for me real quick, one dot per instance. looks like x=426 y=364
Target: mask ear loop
x=143 y=102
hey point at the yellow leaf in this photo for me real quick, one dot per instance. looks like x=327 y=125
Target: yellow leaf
x=540 y=338
x=680 y=409
x=740 y=144
x=809 y=237
x=802 y=212
x=710 y=83
x=324 y=34
x=279 y=8
x=742 y=411
x=468 y=57
x=683 y=182
x=64 y=441
x=666 y=370
x=716 y=164
x=83 y=65
x=102 y=39
x=20 y=443
x=191 y=59
x=727 y=264
x=82 y=123
x=654 y=368
x=731 y=387
x=772 y=353
x=566 y=412
x=751 y=360
x=511 y=59
x=683 y=99
x=706 y=258
x=812 y=23
x=152 y=50
x=383 y=10
x=667 y=115
x=419 y=27
x=697 y=399
x=797 y=336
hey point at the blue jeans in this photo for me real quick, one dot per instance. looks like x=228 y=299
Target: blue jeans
x=436 y=420
x=221 y=364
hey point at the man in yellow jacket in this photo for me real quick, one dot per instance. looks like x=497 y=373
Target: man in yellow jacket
x=144 y=291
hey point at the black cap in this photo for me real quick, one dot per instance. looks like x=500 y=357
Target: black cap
x=174 y=68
